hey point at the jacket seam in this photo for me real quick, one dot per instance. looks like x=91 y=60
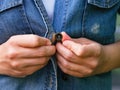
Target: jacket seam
x=42 y=15
x=27 y=21
x=65 y=14
x=83 y=19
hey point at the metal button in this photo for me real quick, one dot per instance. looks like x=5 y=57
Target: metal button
x=57 y=38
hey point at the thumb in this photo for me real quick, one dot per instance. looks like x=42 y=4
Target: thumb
x=65 y=36
x=82 y=50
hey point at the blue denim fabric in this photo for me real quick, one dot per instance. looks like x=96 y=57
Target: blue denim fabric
x=92 y=19
x=24 y=17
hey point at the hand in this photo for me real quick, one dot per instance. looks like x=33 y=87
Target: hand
x=22 y=55
x=81 y=57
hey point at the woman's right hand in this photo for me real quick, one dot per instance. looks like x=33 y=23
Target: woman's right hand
x=22 y=55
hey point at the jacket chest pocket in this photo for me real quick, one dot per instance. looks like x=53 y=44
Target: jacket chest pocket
x=100 y=20
x=103 y=3
x=13 y=19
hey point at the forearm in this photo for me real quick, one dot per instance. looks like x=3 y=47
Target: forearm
x=112 y=55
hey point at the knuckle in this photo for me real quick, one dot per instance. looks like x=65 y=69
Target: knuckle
x=21 y=74
x=35 y=40
x=12 y=38
x=43 y=52
x=53 y=50
x=49 y=50
x=12 y=41
x=17 y=74
x=29 y=73
x=15 y=64
x=89 y=72
x=11 y=53
x=81 y=76
x=69 y=56
x=98 y=49
x=44 y=61
x=94 y=65
x=65 y=64
x=84 y=75
x=81 y=51
x=65 y=71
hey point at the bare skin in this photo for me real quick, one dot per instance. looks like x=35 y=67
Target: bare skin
x=22 y=55
x=83 y=57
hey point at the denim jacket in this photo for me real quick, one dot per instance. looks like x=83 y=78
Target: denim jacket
x=92 y=19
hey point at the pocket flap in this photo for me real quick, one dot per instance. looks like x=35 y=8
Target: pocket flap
x=103 y=3
x=6 y=4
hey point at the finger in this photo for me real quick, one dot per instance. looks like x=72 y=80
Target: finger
x=79 y=40
x=82 y=50
x=74 y=47
x=80 y=73
x=66 y=53
x=29 y=41
x=73 y=58
x=32 y=52
x=83 y=41
x=69 y=72
x=21 y=73
x=72 y=66
x=65 y=36
x=22 y=63
x=30 y=70
x=40 y=52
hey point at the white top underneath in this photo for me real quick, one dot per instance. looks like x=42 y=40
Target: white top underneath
x=49 y=5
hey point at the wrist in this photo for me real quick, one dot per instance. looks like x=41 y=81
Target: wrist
x=112 y=57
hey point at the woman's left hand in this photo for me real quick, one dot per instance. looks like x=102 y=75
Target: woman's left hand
x=81 y=57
